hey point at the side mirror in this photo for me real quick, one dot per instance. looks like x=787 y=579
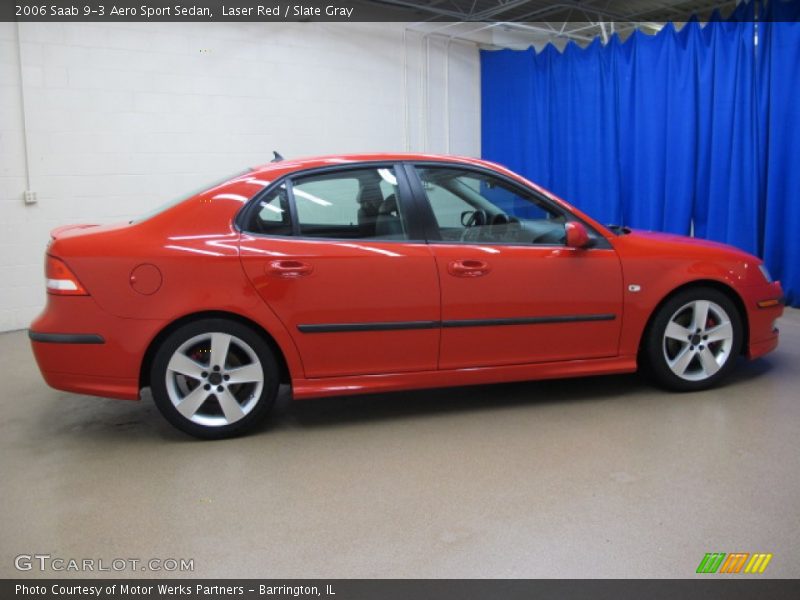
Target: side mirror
x=577 y=236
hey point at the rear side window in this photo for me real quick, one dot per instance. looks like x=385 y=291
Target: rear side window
x=273 y=217
x=324 y=203
x=353 y=204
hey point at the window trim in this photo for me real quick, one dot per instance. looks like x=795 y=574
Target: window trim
x=293 y=216
x=422 y=225
x=415 y=233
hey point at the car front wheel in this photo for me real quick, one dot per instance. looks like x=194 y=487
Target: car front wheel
x=214 y=378
x=694 y=340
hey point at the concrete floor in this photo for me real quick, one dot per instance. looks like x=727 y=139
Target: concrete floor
x=601 y=477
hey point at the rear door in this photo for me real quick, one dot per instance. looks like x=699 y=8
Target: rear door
x=336 y=255
x=512 y=291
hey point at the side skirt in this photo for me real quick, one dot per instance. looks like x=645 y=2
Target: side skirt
x=370 y=384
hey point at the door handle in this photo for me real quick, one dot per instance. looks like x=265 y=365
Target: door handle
x=468 y=268
x=289 y=269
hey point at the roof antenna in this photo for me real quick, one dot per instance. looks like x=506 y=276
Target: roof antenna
x=278 y=157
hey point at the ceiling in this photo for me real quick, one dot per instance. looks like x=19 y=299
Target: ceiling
x=560 y=21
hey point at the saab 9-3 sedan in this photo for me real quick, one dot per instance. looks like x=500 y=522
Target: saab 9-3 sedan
x=370 y=273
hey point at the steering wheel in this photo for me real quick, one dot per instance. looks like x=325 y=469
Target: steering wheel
x=478 y=218
x=472 y=228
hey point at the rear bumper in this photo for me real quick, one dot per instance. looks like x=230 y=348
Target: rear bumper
x=66 y=338
x=92 y=385
x=80 y=348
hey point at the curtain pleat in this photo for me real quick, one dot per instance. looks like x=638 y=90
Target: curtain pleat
x=780 y=82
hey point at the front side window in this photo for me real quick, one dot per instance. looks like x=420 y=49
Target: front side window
x=475 y=207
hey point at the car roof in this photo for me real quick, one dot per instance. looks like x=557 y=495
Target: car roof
x=311 y=162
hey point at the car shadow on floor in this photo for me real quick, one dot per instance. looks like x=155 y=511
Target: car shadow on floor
x=321 y=412
x=113 y=419
x=385 y=406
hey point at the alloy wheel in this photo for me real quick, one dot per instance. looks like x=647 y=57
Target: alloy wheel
x=214 y=379
x=697 y=340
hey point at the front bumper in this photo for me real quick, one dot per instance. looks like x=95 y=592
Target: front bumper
x=762 y=314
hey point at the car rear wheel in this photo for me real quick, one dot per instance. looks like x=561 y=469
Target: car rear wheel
x=694 y=340
x=214 y=378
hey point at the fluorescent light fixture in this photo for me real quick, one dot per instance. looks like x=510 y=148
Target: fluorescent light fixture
x=654 y=26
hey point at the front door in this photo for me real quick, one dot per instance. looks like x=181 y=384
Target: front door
x=512 y=291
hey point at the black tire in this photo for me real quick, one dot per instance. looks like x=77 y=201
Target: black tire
x=658 y=350
x=170 y=387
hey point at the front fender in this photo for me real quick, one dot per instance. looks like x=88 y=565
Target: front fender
x=652 y=271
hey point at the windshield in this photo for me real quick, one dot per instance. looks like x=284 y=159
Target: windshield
x=167 y=205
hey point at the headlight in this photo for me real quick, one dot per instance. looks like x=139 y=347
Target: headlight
x=765 y=272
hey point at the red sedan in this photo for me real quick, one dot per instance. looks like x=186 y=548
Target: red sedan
x=369 y=273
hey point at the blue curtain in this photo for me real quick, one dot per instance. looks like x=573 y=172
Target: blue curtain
x=779 y=65
x=691 y=127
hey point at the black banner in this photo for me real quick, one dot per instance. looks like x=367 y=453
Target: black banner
x=337 y=11
x=396 y=589
x=208 y=10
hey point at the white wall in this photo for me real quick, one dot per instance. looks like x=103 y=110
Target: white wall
x=121 y=117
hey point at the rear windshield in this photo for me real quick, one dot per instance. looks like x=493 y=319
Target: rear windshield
x=182 y=197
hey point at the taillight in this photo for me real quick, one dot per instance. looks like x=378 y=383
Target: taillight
x=60 y=280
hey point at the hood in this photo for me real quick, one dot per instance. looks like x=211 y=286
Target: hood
x=674 y=242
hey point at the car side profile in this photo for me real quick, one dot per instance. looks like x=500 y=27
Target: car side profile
x=369 y=273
